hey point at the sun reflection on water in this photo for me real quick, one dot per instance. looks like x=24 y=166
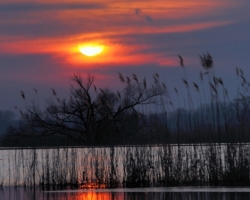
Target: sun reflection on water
x=100 y=196
x=92 y=186
x=91 y=195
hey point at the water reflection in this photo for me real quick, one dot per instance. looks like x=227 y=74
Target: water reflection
x=22 y=193
x=83 y=196
x=135 y=166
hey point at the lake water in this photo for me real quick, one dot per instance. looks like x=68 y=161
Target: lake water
x=159 y=165
x=170 y=193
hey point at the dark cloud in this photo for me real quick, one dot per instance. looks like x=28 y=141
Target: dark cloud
x=40 y=28
x=48 y=28
x=148 y=18
x=138 y=13
x=27 y=19
x=24 y=7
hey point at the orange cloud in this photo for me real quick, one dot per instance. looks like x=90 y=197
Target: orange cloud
x=106 y=25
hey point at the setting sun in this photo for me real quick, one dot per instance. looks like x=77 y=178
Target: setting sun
x=90 y=49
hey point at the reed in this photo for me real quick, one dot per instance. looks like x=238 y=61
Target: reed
x=130 y=166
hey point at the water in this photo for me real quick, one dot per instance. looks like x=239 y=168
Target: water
x=185 y=164
x=21 y=168
x=170 y=193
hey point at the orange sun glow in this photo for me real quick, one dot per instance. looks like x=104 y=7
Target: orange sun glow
x=90 y=49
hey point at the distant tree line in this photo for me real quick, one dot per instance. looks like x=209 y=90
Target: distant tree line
x=6 y=119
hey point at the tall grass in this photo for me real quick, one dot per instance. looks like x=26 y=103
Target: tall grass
x=128 y=166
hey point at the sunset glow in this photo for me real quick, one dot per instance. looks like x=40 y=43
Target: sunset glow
x=48 y=39
x=90 y=49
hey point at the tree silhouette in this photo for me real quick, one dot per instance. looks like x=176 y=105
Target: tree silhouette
x=93 y=115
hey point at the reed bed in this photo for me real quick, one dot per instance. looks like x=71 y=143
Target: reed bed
x=127 y=166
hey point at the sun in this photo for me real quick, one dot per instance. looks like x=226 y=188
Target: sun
x=90 y=49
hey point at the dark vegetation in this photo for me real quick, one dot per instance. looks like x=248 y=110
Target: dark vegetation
x=215 y=131
x=128 y=166
x=6 y=120
x=90 y=116
x=96 y=116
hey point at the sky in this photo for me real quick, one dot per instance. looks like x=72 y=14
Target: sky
x=39 y=43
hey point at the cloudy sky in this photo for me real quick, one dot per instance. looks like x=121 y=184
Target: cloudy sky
x=39 y=43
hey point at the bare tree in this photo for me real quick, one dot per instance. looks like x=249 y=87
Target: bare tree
x=90 y=114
